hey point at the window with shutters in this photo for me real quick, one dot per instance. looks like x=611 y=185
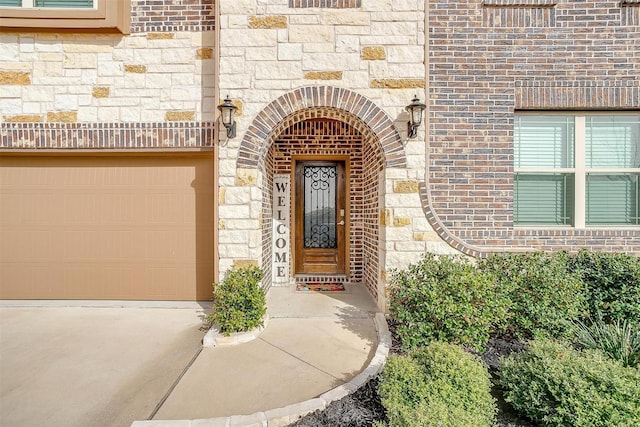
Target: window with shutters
x=92 y=15
x=580 y=170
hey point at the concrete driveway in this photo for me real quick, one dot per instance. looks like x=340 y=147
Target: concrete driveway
x=92 y=366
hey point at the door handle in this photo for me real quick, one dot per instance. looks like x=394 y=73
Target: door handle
x=341 y=223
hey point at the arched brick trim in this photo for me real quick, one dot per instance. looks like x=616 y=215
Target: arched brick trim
x=321 y=101
x=453 y=241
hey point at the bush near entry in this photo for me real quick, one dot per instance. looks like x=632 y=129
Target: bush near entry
x=438 y=385
x=446 y=299
x=545 y=296
x=611 y=284
x=555 y=385
x=239 y=302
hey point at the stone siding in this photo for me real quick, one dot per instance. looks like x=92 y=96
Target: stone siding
x=359 y=62
x=113 y=91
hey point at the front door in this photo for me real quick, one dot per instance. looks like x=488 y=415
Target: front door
x=320 y=217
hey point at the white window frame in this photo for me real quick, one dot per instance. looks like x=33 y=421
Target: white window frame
x=580 y=170
x=29 y=4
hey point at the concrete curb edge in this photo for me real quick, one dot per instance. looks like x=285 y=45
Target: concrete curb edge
x=286 y=415
x=213 y=337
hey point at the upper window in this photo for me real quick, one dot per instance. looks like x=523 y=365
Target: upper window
x=48 y=3
x=577 y=170
x=96 y=15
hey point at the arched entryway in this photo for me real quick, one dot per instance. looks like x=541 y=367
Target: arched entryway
x=346 y=138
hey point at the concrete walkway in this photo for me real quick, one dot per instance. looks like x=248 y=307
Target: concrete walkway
x=109 y=366
x=86 y=364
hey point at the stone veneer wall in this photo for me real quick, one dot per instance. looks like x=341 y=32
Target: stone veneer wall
x=153 y=89
x=359 y=62
x=493 y=57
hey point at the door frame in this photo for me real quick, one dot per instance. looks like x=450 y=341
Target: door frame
x=295 y=159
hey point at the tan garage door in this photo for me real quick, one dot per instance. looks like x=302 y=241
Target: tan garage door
x=134 y=227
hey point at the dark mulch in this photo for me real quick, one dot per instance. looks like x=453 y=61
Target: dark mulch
x=363 y=407
x=359 y=409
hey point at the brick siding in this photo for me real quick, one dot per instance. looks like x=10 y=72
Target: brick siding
x=312 y=136
x=489 y=59
x=96 y=136
x=171 y=15
x=334 y=4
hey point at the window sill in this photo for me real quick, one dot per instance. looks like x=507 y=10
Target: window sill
x=632 y=227
x=109 y=16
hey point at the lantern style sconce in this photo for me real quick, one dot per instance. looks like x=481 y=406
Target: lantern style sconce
x=415 y=110
x=227 y=110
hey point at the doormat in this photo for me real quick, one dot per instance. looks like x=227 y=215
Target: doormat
x=320 y=287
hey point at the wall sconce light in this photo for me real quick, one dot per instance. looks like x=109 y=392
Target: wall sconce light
x=227 y=110
x=415 y=110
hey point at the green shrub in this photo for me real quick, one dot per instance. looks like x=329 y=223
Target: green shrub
x=239 y=302
x=554 y=385
x=446 y=299
x=439 y=385
x=545 y=296
x=612 y=284
x=619 y=341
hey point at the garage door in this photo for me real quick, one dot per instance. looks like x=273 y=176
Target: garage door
x=134 y=228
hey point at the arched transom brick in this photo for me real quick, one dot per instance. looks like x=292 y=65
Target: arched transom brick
x=321 y=102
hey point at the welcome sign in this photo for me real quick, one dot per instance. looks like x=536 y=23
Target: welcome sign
x=281 y=233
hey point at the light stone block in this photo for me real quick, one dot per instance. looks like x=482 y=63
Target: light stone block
x=88 y=114
x=347 y=44
x=408 y=5
x=243 y=38
x=142 y=57
x=238 y=7
x=378 y=5
x=279 y=71
x=26 y=45
x=315 y=34
x=135 y=41
x=237 y=21
x=176 y=56
x=318 y=48
x=289 y=52
x=108 y=114
x=11 y=106
x=388 y=40
x=339 y=17
x=234 y=81
x=306 y=19
x=410 y=246
x=233 y=237
x=110 y=69
x=158 y=80
x=331 y=61
x=41 y=45
x=186 y=93
x=235 y=212
x=13 y=91
x=94 y=46
x=80 y=60
x=237 y=195
x=89 y=76
x=405 y=54
x=238 y=251
x=130 y=115
x=261 y=53
x=65 y=102
x=35 y=93
x=47 y=69
x=134 y=80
